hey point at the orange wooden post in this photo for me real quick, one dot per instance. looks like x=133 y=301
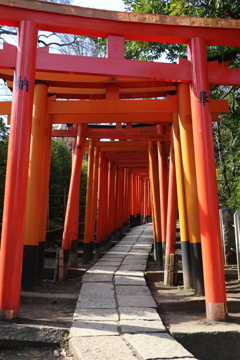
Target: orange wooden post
x=182 y=211
x=125 y=198
x=127 y=201
x=171 y=211
x=88 y=213
x=163 y=182
x=94 y=200
x=110 y=203
x=148 y=211
x=132 y=201
x=186 y=135
x=156 y=202
x=104 y=199
x=215 y=291
x=138 y=200
x=31 y=234
x=69 y=241
x=101 y=209
x=44 y=199
x=17 y=172
x=118 y=202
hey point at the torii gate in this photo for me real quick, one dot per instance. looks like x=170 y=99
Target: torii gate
x=31 y=16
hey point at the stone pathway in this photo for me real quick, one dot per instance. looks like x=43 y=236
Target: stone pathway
x=115 y=316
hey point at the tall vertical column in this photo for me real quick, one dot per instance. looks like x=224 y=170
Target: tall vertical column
x=131 y=201
x=94 y=199
x=88 y=224
x=69 y=243
x=105 y=207
x=44 y=199
x=101 y=199
x=186 y=135
x=182 y=211
x=156 y=201
x=163 y=182
x=215 y=291
x=171 y=211
x=32 y=223
x=119 y=202
x=17 y=172
x=110 y=203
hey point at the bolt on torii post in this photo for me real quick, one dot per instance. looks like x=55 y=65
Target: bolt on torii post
x=197 y=34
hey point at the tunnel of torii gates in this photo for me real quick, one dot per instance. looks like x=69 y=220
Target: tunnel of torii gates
x=163 y=106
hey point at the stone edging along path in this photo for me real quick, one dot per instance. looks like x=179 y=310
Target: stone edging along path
x=115 y=316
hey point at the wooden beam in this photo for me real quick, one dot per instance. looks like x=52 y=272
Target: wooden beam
x=99 y=23
x=111 y=118
x=113 y=106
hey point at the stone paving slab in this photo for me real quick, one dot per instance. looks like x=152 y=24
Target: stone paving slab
x=96 y=314
x=122 y=249
x=92 y=277
x=136 y=301
x=153 y=346
x=129 y=280
x=96 y=301
x=129 y=273
x=131 y=313
x=115 y=256
x=93 y=328
x=141 y=326
x=99 y=288
x=109 y=263
x=133 y=267
x=131 y=261
x=102 y=270
x=107 y=348
x=132 y=290
x=136 y=256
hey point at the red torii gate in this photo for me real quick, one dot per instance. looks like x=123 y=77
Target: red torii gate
x=32 y=16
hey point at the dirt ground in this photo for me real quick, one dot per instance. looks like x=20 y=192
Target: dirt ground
x=54 y=303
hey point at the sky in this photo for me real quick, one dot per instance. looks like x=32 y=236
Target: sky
x=116 y=5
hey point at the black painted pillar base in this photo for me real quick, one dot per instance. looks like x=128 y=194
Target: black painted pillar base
x=138 y=219
x=197 y=268
x=105 y=244
x=73 y=254
x=119 y=233
x=97 y=251
x=109 y=242
x=159 y=254
x=40 y=263
x=186 y=265
x=128 y=227
x=86 y=253
x=113 y=236
x=91 y=246
x=29 y=269
x=149 y=218
x=131 y=221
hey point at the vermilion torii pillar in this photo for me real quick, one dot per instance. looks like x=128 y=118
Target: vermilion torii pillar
x=44 y=199
x=182 y=211
x=186 y=136
x=163 y=181
x=17 y=172
x=156 y=202
x=73 y=196
x=214 y=281
x=33 y=208
x=171 y=209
